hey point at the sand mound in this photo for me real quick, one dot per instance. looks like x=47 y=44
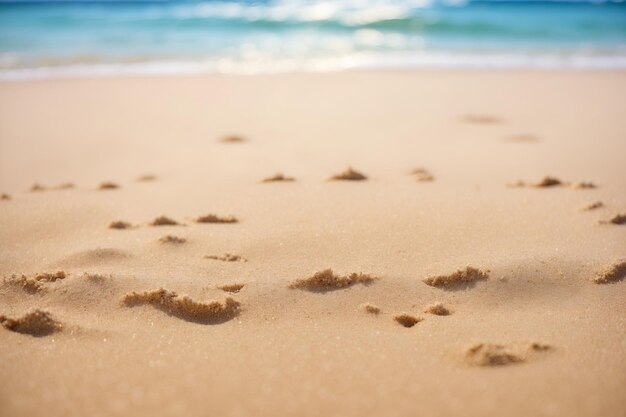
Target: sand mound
x=184 y=307
x=35 y=283
x=462 y=278
x=120 y=225
x=437 y=309
x=593 y=206
x=278 y=177
x=146 y=178
x=163 y=221
x=234 y=288
x=614 y=273
x=327 y=280
x=37 y=187
x=482 y=119
x=35 y=323
x=407 y=320
x=493 y=354
x=107 y=185
x=233 y=139
x=422 y=175
x=547 y=182
x=227 y=257
x=370 y=308
x=213 y=218
x=171 y=239
x=617 y=219
x=581 y=185
x=348 y=175
x=5 y=197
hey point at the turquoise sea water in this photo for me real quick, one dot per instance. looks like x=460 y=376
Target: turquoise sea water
x=48 y=38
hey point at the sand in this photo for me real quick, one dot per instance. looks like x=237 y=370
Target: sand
x=179 y=347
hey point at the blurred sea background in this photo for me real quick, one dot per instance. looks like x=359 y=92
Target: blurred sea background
x=40 y=39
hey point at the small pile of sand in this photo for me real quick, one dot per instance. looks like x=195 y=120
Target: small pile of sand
x=35 y=323
x=108 y=186
x=146 y=178
x=234 y=288
x=581 y=185
x=617 y=219
x=370 y=308
x=278 y=177
x=613 y=273
x=163 y=221
x=213 y=218
x=407 y=320
x=547 y=182
x=493 y=354
x=462 y=277
x=37 y=187
x=233 y=139
x=119 y=224
x=437 y=309
x=593 y=206
x=171 y=239
x=348 y=175
x=5 y=197
x=326 y=280
x=422 y=175
x=36 y=283
x=184 y=307
x=227 y=257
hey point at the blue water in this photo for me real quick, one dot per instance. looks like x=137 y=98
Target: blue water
x=45 y=38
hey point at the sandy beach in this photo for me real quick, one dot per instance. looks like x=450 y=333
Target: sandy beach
x=224 y=306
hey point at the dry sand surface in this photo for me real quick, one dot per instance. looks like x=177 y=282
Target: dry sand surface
x=148 y=270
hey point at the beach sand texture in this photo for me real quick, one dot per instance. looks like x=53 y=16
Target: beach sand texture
x=396 y=295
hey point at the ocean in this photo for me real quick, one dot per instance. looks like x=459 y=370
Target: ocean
x=40 y=39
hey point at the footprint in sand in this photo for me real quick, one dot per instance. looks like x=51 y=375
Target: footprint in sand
x=232 y=288
x=618 y=219
x=549 y=182
x=233 y=139
x=120 y=225
x=407 y=320
x=227 y=257
x=327 y=280
x=438 y=309
x=164 y=221
x=461 y=279
x=5 y=197
x=147 y=178
x=494 y=354
x=214 y=218
x=422 y=175
x=107 y=185
x=35 y=323
x=64 y=186
x=172 y=240
x=592 y=206
x=611 y=274
x=348 y=175
x=370 y=308
x=278 y=177
x=183 y=307
x=36 y=283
